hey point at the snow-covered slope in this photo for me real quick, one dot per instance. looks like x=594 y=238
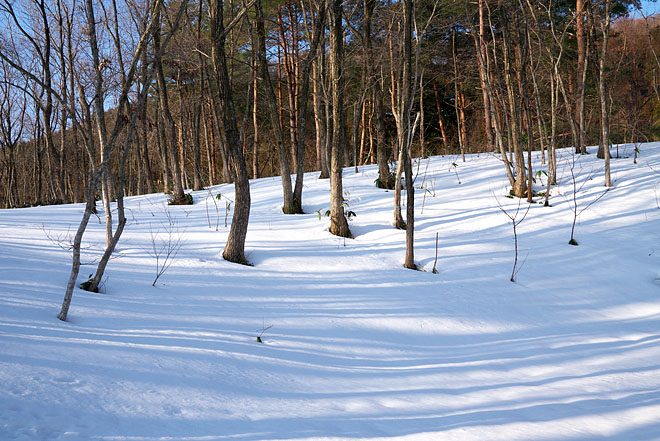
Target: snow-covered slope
x=359 y=348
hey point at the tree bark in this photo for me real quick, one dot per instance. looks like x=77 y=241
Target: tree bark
x=235 y=247
x=289 y=206
x=319 y=24
x=109 y=142
x=520 y=184
x=384 y=175
x=604 y=148
x=405 y=103
x=338 y=222
x=170 y=140
x=483 y=72
x=581 y=76
x=319 y=120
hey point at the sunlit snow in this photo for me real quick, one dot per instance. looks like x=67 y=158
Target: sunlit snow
x=355 y=347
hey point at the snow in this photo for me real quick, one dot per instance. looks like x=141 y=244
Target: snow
x=360 y=348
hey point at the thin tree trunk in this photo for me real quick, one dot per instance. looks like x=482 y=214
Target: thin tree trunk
x=255 y=119
x=520 y=184
x=210 y=153
x=302 y=105
x=319 y=119
x=604 y=147
x=275 y=115
x=406 y=95
x=441 y=124
x=581 y=75
x=197 y=149
x=481 y=47
x=170 y=140
x=338 y=222
x=217 y=124
x=160 y=140
x=384 y=175
x=110 y=142
x=457 y=99
x=422 y=151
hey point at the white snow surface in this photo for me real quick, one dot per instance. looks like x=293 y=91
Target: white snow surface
x=360 y=348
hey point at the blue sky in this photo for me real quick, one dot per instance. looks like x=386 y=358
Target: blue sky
x=651 y=7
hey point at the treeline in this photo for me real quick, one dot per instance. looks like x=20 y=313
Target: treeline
x=179 y=140
x=106 y=98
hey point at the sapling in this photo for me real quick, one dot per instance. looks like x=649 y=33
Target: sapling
x=228 y=203
x=430 y=191
x=261 y=331
x=164 y=249
x=217 y=211
x=454 y=167
x=577 y=212
x=426 y=169
x=515 y=222
x=435 y=262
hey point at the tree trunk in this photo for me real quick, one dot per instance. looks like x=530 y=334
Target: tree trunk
x=405 y=103
x=289 y=206
x=338 y=222
x=399 y=223
x=55 y=157
x=162 y=151
x=483 y=72
x=520 y=184
x=581 y=76
x=255 y=119
x=170 y=139
x=235 y=247
x=302 y=105
x=384 y=175
x=458 y=102
x=197 y=148
x=441 y=124
x=319 y=119
x=604 y=148
x=108 y=142
x=495 y=115
x=217 y=123
x=422 y=152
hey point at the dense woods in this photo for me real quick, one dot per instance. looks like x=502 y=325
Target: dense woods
x=104 y=99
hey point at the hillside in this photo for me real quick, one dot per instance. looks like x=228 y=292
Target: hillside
x=355 y=347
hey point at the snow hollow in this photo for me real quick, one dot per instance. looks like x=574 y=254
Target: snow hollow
x=354 y=346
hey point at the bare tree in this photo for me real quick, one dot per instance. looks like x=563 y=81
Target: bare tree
x=165 y=246
x=289 y=206
x=515 y=222
x=405 y=134
x=235 y=247
x=577 y=211
x=170 y=139
x=604 y=148
x=338 y=222
x=581 y=75
x=319 y=24
x=12 y=122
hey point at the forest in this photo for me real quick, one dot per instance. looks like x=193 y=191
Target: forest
x=106 y=99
